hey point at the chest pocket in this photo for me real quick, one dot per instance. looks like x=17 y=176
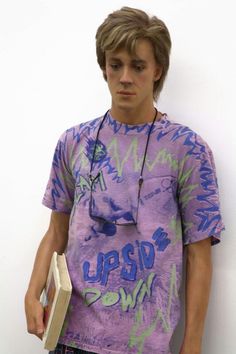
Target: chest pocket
x=159 y=198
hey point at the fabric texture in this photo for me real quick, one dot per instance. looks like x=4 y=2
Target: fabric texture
x=126 y=279
x=64 y=349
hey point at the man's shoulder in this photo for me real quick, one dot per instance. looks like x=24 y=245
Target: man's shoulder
x=179 y=132
x=171 y=125
x=77 y=132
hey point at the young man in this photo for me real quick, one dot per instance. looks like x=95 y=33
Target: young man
x=129 y=191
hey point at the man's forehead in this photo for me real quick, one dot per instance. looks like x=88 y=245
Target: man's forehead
x=142 y=51
x=134 y=59
x=122 y=54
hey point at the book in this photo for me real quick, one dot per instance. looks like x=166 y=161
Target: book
x=55 y=299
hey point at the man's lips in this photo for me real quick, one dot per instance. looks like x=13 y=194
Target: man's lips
x=126 y=93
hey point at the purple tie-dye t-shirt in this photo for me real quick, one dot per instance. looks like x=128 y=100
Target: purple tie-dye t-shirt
x=126 y=279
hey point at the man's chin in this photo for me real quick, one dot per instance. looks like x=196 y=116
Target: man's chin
x=125 y=105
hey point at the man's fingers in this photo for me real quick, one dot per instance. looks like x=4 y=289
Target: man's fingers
x=35 y=326
x=39 y=322
x=39 y=329
x=35 y=323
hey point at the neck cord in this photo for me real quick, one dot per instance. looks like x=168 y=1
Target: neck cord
x=140 y=182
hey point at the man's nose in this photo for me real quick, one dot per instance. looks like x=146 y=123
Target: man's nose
x=126 y=77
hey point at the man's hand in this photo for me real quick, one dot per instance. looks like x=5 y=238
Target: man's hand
x=34 y=315
x=55 y=239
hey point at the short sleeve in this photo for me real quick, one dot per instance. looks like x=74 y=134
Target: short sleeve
x=59 y=194
x=198 y=194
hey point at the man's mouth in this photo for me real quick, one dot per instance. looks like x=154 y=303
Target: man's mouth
x=125 y=93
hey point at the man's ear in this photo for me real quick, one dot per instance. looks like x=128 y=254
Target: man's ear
x=158 y=73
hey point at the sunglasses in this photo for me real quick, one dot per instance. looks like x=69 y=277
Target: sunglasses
x=125 y=218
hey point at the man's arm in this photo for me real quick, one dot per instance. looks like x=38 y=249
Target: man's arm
x=198 y=283
x=55 y=239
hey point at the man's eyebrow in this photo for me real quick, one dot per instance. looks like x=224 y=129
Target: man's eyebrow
x=134 y=61
x=114 y=59
x=139 y=61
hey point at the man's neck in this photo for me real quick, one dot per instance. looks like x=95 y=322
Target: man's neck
x=134 y=116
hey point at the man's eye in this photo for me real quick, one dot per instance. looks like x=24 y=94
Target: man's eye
x=115 y=66
x=139 y=68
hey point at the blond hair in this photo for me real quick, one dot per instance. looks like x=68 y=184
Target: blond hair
x=122 y=28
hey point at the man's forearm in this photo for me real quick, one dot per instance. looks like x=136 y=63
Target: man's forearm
x=55 y=239
x=198 y=283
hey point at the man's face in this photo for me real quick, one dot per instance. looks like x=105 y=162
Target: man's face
x=131 y=78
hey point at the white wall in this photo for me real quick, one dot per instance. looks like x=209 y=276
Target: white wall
x=49 y=80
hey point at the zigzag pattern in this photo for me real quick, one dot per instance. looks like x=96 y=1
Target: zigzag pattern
x=83 y=129
x=116 y=126
x=57 y=187
x=210 y=213
x=110 y=170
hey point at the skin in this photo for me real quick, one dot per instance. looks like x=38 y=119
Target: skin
x=198 y=284
x=55 y=239
x=130 y=80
